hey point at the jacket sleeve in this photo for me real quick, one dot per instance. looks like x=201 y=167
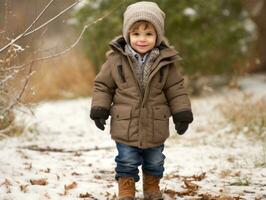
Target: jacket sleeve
x=103 y=88
x=175 y=91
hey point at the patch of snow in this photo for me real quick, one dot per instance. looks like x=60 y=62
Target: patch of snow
x=226 y=12
x=190 y=12
x=253 y=84
x=250 y=26
x=230 y=160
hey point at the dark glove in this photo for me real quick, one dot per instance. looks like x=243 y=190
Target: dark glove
x=182 y=120
x=99 y=115
x=181 y=127
x=100 y=123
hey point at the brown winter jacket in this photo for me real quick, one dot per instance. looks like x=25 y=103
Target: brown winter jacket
x=136 y=119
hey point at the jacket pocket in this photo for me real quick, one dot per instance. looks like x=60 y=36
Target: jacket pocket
x=120 y=121
x=161 y=116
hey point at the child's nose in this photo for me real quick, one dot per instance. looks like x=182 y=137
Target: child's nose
x=142 y=38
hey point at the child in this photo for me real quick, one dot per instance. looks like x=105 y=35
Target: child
x=140 y=88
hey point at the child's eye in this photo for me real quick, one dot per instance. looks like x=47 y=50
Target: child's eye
x=135 y=34
x=149 y=34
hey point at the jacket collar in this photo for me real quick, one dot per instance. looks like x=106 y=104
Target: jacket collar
x=166 y=52
x=141 y=60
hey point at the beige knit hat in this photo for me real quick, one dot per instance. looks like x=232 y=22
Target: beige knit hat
x=147 y=11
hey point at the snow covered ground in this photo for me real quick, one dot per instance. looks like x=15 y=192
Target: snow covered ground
x=64 y=156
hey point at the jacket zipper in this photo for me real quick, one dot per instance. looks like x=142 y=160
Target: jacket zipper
x=149 y=80
x=141 y=95
x=135 y=78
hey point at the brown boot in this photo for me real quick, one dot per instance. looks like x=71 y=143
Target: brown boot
x=151 y=188
x=126 y=188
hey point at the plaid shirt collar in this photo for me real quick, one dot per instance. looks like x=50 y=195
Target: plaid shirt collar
x=137 y=56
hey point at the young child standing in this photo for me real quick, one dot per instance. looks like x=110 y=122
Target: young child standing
x=140 y=87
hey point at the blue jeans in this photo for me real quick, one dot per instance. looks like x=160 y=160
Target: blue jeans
x=130 y=158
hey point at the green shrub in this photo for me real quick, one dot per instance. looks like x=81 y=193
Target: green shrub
x=210 y=35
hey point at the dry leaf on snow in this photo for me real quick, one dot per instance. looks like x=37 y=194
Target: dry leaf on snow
x=70 y=187
x=41 y=181
x=23 y=188
x=86 y=195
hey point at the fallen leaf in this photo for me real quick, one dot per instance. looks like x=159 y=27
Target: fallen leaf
x=77 y=153
x=48 y=170
x=97 y=177
x=75 y=174
x=225 y=173
x=191 y=186
x=199 y=177
x=109 y=185
x=171 y=193
x=71 y=186
x=41 y=181
x=208 y=196
x=6 y=183
x=23 y=188
x=85 y=195
x=187 y=192
x=28 y=166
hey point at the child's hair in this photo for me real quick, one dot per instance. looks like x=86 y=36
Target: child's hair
x=137 y=24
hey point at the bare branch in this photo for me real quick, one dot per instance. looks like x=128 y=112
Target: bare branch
x=14 y=67
x=60 y=150
x=38 y=17
x=23 y=34
x=31 y=62
x=2 y=133
x=78 y=39
x=17 y=99
x=8 y=77
x=30 y=73
x=26 y=33
x=5 y=130
x=52 y=19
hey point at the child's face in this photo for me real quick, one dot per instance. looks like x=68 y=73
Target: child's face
x=143 y=39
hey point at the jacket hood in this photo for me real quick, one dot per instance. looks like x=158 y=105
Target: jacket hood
x=118 y=45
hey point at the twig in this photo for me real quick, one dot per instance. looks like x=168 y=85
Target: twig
x=23 y=34
x=76 y=42
x=11 y=68
x=6 y=130
x=49 y=21
x=26 y=33
x=38 y=17
x=57 y=54
x=61 y=150
x=21 y=92
x=3 y=135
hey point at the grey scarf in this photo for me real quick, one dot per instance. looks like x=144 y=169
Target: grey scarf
x=142 y=66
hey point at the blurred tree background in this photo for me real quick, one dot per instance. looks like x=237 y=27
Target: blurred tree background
x=213 y=37
x=66 y=76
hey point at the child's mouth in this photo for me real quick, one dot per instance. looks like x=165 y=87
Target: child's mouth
x=142 y=46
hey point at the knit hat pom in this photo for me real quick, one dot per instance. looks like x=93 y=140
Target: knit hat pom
x=144 y=11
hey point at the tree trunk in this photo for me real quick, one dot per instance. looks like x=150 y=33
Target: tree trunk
x=257 y=10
